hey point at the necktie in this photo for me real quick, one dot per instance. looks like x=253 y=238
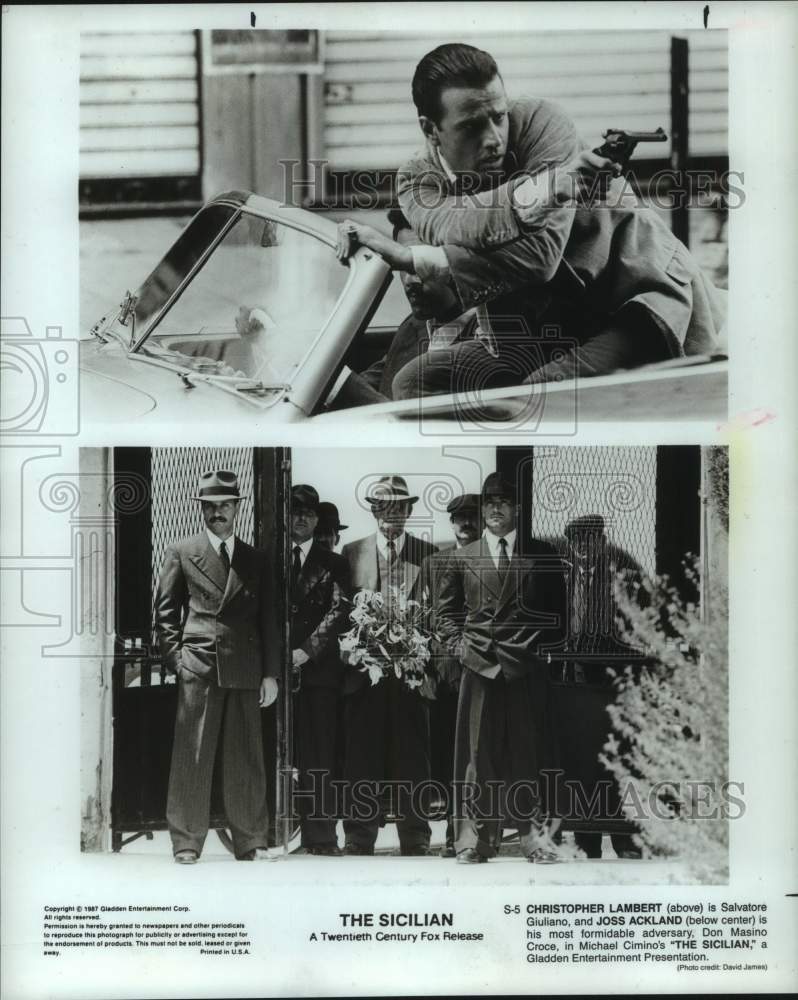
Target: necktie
x=580 y=601
x=391 y=553
x=225 y=558
x=296 y=566
x=504 y=559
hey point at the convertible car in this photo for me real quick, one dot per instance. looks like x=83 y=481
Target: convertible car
x=250 y=314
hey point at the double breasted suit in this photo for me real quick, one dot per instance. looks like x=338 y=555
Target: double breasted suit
x=209 y=625
x=501 y=629
x=319 y=613
x=386 y=725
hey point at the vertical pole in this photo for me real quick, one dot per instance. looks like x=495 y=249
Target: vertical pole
x=515 y=466
x=678 y=525
x=680 y=218
x=97 y=656
x=271 y=496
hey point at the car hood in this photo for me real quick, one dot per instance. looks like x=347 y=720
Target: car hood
x=116 y=387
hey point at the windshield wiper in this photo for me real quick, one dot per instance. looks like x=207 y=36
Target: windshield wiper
x=190 y=377
x=262 y=387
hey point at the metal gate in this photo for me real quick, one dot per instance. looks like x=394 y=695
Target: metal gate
x=615 y=484
x=645 y=503
x=144 y=695
x=175 y=475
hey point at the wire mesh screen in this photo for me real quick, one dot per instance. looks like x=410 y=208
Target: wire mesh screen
x=615 y=484
x=175 y=479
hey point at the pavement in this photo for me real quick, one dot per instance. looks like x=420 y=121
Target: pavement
x=387 y=866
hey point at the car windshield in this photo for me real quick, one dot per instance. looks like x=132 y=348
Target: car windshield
x=254 y=308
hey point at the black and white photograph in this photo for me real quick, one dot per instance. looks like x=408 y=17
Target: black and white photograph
x=554 y=206
x=504 y=654
x=397 y=466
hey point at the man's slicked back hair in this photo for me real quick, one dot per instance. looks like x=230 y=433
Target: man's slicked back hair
x=452 y=65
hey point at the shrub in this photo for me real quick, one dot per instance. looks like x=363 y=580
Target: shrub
x=669 y=748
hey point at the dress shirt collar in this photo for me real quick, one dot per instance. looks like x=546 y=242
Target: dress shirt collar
x=215 y=541
x=510 y=163
x=493 y=544
x=304 y=549
x=382 y=544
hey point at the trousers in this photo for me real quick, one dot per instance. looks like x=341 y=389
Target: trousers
x=386 y=739
x=204 y=711
x=468 y=367
x=496 y=764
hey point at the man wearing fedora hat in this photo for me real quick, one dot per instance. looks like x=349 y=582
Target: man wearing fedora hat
x=386 y=725
x=213 y=598
x=328 y=530
x=500 y=609
x=319 y=613
x=596 y=651
x=466 y=520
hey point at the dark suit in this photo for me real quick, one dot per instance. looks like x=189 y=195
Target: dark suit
x=447 y=668
x=386 y=725
x=501 y=631
x=595 y=652
x=319 y=613
x=210 y=631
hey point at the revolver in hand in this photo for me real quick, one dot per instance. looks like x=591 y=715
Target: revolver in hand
x=619 y=145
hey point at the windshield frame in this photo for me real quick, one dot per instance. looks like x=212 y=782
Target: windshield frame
x=239 y=210
x=367 y=279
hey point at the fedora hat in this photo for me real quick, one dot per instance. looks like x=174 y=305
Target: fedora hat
x=390 y=489
x=495 y=485
x=466 y=503
x=303 y=495
x=218 y=485
x=590 y=524
x=329 y=518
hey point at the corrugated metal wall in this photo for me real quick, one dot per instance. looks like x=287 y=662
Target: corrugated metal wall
x=602 y=79
x=139 y=107
x=139 y=93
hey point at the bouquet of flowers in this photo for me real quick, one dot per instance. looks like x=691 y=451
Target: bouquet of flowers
x=389 y=635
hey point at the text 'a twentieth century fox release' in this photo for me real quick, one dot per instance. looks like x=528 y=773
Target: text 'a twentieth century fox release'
x=691 y=937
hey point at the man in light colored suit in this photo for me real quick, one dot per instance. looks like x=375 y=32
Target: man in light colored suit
x=496 y=200
x=501 y=609
x=387 y=724
x=213 y=597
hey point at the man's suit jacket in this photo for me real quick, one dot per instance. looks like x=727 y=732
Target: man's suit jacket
x=447 y=667
x=496 y=626
x=211 y=625
x=364 y=569
x=600 y=259
x=319 y=614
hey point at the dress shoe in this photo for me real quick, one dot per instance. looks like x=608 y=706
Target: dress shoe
x=418 y=851
x=326 y=850
x=447 y=852
x=186 y=857
x=543 y=856
x=471 y=856
x=356 y=850
x=257 y=854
